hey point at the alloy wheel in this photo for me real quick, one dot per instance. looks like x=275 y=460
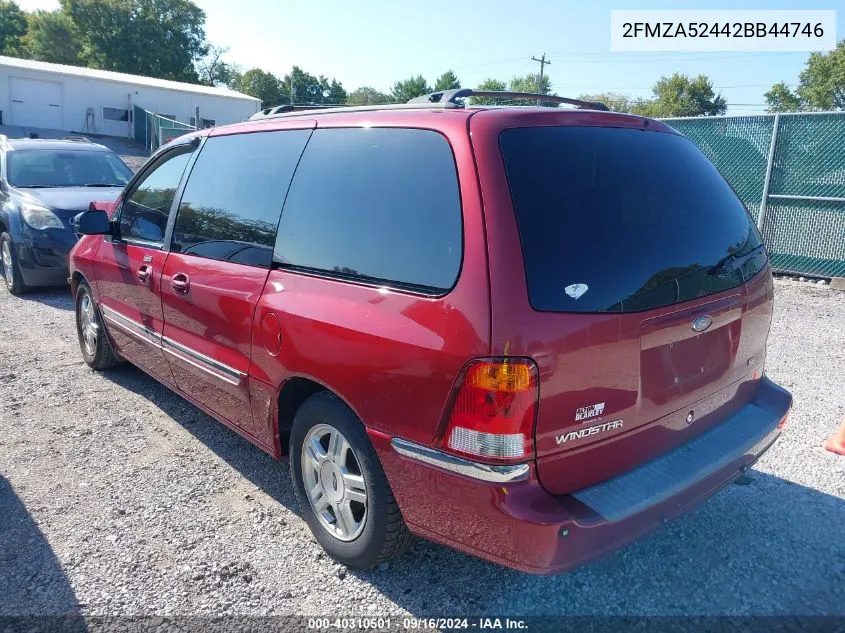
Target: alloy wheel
x=88 y=324
x=7 y=264
x=334 y=482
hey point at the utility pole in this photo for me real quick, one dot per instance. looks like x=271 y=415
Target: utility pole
x=542 y=61
x=292 y=93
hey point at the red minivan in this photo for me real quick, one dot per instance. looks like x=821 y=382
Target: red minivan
x=529 y=333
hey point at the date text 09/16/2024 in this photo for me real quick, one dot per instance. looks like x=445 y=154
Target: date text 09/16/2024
x=411 y=623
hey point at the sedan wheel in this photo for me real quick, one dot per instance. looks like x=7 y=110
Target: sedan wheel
x=7 y=264
x=334 y=482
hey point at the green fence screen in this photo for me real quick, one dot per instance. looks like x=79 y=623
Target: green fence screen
x=789 y=170
x=153 y=130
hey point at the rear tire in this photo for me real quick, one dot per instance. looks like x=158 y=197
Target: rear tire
x=370 y=530
x=97 y=350
x=11 y=273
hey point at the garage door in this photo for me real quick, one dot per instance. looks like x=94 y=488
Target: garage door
x=36 y=103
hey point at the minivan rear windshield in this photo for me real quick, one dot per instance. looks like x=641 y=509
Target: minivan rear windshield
x=624 y=220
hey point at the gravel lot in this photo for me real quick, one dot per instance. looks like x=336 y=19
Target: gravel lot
x=119 y=498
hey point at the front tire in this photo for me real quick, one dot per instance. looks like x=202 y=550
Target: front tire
x=11 y=273
x=340 y=485
x=97 y=350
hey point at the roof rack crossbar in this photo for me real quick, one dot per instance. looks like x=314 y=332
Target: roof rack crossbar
x=452 y=96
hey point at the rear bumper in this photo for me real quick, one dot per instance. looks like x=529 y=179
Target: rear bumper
x=520 y=525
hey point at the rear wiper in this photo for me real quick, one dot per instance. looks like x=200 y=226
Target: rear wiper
x=732 y=262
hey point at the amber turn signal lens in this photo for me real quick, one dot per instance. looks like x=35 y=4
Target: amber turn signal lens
x=507 y=377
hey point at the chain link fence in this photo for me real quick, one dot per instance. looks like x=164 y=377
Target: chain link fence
x=789 y=170
x=153 y=130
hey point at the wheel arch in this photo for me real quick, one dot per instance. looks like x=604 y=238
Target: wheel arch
x=293 y=393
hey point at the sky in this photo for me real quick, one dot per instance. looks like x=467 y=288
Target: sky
x=376 y=43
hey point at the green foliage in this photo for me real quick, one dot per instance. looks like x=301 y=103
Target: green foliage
x=493 y=85
x=366 y=95
x=616 y=101
x=261 y=85
x=213 y=71
x=781 y=99
x=12 y=28
x=822 y=84
x=310 y=89
x=404 y=91
x=52 y=37
x=447 y=81
x=682 y=96
x=528 y=83
x=156 y=38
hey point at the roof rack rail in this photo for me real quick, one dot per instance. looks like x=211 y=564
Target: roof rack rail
x=306 y=110
x=77 y=139
x=452 y=96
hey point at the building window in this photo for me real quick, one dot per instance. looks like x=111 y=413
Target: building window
x=115 y=114
x=205 y=122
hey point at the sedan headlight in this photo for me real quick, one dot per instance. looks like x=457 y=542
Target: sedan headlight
x=40 y=217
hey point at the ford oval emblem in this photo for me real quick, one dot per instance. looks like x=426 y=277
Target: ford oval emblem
x=702 y=323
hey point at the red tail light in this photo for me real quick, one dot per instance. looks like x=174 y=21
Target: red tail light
x=493 y=410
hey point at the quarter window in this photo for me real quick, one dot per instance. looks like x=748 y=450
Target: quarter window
x=144 y=214
x=234 y=195
x=375 y=204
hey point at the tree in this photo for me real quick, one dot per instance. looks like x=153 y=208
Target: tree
x=52 y=37
x=447 y=81
x=404 y=91
x=528 y=83
x=822 y=84
x=261 y=85
x=680 y=96
x=213 y=71
x=781 y=99
x=492 y=85
x=310 y=89
x=616 y=101
x=157 y=38
x=366 y=95
x=12 y=28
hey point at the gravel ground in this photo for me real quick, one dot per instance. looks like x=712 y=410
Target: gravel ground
x=119 y=498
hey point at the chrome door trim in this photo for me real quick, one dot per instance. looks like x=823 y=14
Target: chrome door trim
x=452 y=463
x=201 y=361
x=132 y=327
x=196 y=359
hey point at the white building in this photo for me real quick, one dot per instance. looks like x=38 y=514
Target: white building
x=42 y=95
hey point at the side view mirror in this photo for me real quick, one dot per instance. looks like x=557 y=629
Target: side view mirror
x=92 y=222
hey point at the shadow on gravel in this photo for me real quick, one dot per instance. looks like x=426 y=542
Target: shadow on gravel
x=266 y=473
x=770 y=547
x=57 y=297
x=31 y=578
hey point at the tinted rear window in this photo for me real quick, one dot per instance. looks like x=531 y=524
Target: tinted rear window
x=623 y=220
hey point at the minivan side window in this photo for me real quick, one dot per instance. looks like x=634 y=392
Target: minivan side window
x=375 y=205
x=233 y=198
x=144 y=213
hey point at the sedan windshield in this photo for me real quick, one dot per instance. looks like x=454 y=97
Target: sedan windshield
x=66 y=168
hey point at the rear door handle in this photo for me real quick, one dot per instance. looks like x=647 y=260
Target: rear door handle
x=144 y=274
x=180 y=283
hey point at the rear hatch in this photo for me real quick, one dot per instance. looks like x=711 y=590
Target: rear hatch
x=649 y=291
